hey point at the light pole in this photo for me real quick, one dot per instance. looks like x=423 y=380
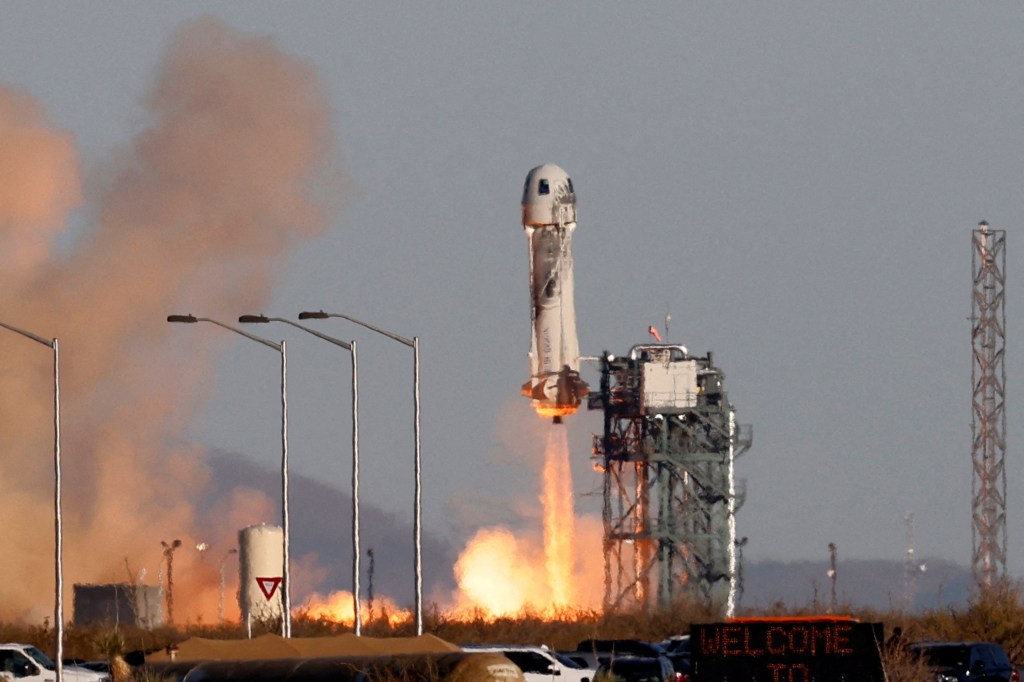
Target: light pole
x=413 y=343
x=220 y=597
x=286 y=601
x=58 y=558
x=350 y=346
x=169 y=557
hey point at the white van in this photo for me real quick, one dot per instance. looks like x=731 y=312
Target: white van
x=539 y=663
x=25 y=662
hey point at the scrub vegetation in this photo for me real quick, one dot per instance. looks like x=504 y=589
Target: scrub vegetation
x=995 y=615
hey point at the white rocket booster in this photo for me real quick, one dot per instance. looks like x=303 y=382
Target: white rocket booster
x=549 y=218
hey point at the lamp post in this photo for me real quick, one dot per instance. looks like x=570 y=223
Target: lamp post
x=286 y=601
x=220 y=596
x=413 y=343
x=350 y=346
x=58 y=558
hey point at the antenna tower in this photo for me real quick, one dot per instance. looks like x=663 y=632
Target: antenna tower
x=988 y=416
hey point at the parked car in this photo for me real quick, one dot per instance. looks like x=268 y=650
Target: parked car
x=677 y=649
x=966 y=661
x=636 y=669
x=595 y=651
x=539 y=663
x=26 y=662
x=578 y=659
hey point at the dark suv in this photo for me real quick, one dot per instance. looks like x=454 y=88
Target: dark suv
x=636 y=669
x=966 y=661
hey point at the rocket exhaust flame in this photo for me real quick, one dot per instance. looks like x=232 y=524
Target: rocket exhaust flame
x=557 y=501
x=553 y=571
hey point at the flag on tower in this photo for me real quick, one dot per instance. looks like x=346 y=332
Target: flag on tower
x=654 y=332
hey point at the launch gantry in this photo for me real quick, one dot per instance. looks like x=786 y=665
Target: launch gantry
x=668 y=455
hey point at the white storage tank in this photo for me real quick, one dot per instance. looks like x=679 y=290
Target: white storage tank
x=261 y=572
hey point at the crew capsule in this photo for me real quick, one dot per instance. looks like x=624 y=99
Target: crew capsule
x=548 y=197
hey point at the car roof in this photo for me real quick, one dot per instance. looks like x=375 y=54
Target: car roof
x=936 y=644
x=629 y=661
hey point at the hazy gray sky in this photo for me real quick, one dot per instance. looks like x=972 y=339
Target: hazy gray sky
x=795 y=183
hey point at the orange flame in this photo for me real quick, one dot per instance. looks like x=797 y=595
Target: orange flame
x=339 y=607
x=497 y=574
x=549 y=411
x=557 y=500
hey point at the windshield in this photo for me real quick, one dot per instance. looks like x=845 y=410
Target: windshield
x=636 y=669
x=566 y=661
x=946 y=656
x=40 y=658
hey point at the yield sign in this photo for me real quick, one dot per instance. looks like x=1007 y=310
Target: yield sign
x=268 y=586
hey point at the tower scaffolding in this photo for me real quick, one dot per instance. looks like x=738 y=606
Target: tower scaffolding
x=988 y=416
x=668 y=454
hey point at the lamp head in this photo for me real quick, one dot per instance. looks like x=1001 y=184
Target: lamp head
x=190 y=319
x=308 y=315
x=254 y=318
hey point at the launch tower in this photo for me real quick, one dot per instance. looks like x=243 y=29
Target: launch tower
x=668 y=455
x=988 y=416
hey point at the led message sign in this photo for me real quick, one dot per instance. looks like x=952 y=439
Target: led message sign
x=784 y=650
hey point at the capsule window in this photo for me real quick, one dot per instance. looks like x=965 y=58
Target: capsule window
x=571 y=190
x=542 y=187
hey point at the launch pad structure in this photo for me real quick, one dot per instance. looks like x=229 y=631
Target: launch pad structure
x=668 y=453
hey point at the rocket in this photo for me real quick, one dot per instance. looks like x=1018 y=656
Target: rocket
x=555 y=388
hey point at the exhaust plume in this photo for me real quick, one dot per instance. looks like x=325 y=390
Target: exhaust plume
x=234 y=168
x=550 y=567
x=559 y=522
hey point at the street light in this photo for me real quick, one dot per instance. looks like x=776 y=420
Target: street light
x=220 y=598
x=413 y=343
x=58 y=559
x=350 y=346
x=286 y=601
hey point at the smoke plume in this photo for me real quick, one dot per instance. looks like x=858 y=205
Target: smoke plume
x=234 y=168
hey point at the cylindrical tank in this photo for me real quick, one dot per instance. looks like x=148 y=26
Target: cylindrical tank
x=261 y=572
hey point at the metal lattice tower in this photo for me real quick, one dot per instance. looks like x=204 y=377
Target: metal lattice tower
x=988 y=416
x=668 y=455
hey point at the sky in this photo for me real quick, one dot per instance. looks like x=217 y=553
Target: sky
x=794 y=183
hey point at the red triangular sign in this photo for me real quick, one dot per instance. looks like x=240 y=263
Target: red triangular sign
x=268 y=586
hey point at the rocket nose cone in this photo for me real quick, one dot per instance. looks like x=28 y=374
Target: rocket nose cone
x=547 y=182
x=548 y=196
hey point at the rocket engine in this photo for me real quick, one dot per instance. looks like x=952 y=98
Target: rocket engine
x=555 y=388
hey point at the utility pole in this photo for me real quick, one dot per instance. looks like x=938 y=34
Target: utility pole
x=169 y=556
x=832 y=575
x=910 y=564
